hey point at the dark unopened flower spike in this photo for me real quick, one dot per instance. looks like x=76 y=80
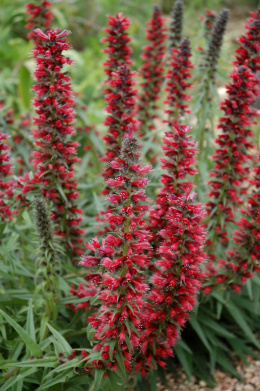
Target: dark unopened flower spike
x=215 y=43
x=175 y=30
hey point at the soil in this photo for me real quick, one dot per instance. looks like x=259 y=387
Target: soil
x=224 y=382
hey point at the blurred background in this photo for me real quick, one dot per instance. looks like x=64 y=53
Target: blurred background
x=86 y=19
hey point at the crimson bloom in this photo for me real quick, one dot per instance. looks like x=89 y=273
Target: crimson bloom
x=244 y=259
x=121 y=99
x=179 y=160
x=177 y=279
x=55 y=154
x=117 y=38
x=249 y=44
x=119 y=260
x=177 y=81
x=232 y=155
x=41 y=16
x=152 y=71
x=6 y=185
x=178 y=237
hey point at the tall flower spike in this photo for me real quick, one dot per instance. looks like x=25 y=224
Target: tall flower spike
x=117 y=38
x=6 y=186
x=152 y=71
x=244 y=259
x=175 y=30
x=249 y=44
x=180 y=154
x=121 y=99
x=177 y=280
x=118 y=262
x=177 y=82
x=55 y=154
x=48 y=264
x=232 y=155
x=215 y=43
x=206 y=88
x=41 y=17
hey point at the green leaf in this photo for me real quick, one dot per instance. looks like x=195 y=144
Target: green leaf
x=75 y=362
x=216 y=327
x=45 y=362
x=29 y=342
x=10 y=382
x=65 y=347
x=77 y=380
x=24 y=86
x=30 y=322
x=197 y=327
x=117 y=384
x=97 y=380
x=239 y=318
x=61 y=378
x=184 y=360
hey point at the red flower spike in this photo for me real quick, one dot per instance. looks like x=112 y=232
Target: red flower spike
x=121 y=99
x=6 y=186
x=244 y=259
x=177 y=81
x=249 y=44
x=232 y=155
x=40 y=16
x=180 y=154
x=118 y=262
x=117 y=38
x=177 y=278
x=55 y=154
x=152 y=71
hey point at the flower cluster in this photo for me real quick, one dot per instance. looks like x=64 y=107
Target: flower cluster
x=55 y=154
x=180 y=157
x=249 y=46
x=6 y=186
x=231 y=156
x=40 y=16
x=175 y=29
x=177 y=81
x=117 y=38
x=176 y=282
x=121 y=99
x=152 y=71
x=118 y=262
x=242 y=260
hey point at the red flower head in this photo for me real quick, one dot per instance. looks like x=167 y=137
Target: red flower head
x=117 y=38
x=117 y=264
x=177 y=81
x=6 y=186
x=180 y=152
x=40 y=17
x=177 y=278
x=243 y=259
x=152 y=70
x=232 y=155
x=55 y=154
x=121 y=99
x=249 y=44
